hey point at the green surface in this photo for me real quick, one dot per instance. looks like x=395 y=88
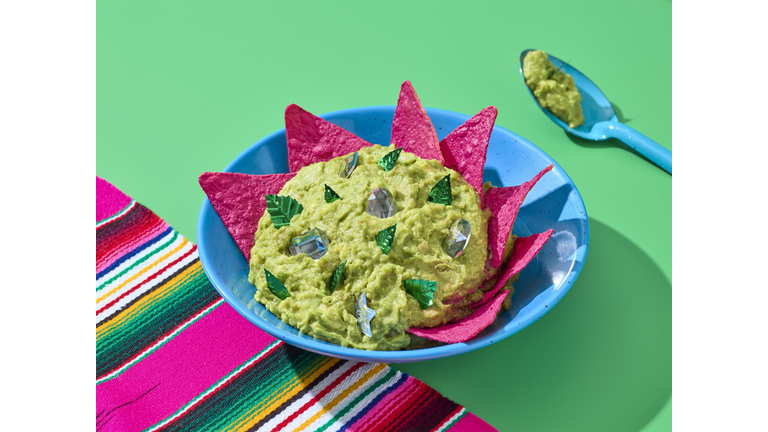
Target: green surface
x=184 y=87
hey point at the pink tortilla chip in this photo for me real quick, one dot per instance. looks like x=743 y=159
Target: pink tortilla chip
x=239 y=201
x=465 y=148
x=312 y=139
x=466 y=329
x=504 y=203
x=457 y=297
x=411 y=127
x=524 y=250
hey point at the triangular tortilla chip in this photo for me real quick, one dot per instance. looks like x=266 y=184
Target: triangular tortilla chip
x=457 y=297
x=504 y=203
x=465 y=148
x=312 y=139
x=466 y=329
x=239 y=201
x=411 y=127
x=524 y=250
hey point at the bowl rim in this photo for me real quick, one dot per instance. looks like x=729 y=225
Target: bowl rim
x=402 y=356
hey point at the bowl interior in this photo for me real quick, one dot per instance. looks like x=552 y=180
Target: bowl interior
x=553 y=203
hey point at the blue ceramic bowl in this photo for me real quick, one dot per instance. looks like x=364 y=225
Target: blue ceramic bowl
x=553 y=203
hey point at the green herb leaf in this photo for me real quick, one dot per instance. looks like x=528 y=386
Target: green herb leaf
x=281 y=209
x=385 y=238
x=336 y=278
x=277 y=287
x=331 y=195
x=389 y=160
x=441 y=192
x=422 y=290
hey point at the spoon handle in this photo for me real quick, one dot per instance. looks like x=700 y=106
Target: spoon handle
x=641 y=143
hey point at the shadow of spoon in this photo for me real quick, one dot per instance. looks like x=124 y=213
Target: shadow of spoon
x=600 y=120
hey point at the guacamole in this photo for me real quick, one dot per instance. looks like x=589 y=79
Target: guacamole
x=416 y=253
x=554 y=89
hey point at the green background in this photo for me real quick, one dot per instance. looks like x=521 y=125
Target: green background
x=184 y=87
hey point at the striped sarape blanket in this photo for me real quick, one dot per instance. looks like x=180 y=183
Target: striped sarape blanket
x=172 y=355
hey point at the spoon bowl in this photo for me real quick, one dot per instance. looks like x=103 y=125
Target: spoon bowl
x=600 y=120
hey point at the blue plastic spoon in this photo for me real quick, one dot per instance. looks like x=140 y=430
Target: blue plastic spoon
x=600 y=121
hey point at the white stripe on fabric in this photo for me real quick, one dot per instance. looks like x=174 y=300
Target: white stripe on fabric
x=155 y=263
x=330 y=414
x=127 y=208
x=448 y=422
x=159 y=277
x=129 y=262
x=287 y=411
x=325 y=400
x=364 y=403
x=149 y=268
x=149 y=350
x=213 y=388
x=129 y=245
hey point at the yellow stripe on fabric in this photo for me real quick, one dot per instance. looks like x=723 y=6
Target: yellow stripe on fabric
x=341 y=397
x=279 y=397
x=146 y=269
x=144 y=354
x=158 y=294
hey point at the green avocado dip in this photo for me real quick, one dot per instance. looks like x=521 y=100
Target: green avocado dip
x=416 y=253
x=554 y=89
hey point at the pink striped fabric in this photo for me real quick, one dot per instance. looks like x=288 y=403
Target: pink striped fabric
x=178 y=357
x=110 y=200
